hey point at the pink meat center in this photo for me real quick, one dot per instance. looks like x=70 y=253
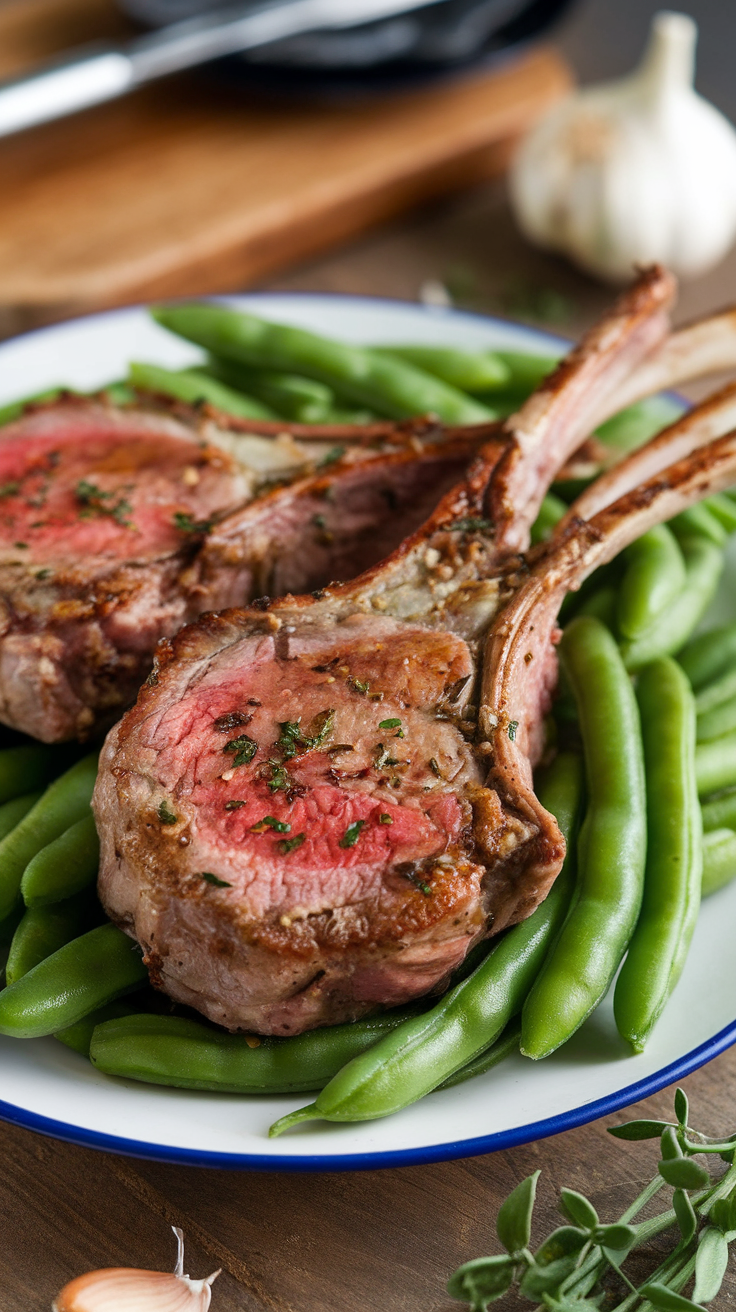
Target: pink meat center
x=76 y=494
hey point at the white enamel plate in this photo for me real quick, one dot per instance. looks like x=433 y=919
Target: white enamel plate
x=48 y=1088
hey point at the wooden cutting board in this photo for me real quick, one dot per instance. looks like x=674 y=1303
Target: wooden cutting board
x=192 y=186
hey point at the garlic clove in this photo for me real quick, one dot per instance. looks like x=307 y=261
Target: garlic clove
x=125 y=1289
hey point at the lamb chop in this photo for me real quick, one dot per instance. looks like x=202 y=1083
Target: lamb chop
x=103 y=511
x=295 y=817
x=79 y=629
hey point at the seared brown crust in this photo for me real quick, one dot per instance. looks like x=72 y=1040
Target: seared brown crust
x=402 y=853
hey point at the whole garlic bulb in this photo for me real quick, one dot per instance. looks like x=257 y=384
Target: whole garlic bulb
x=633 y=172
x=124 y=1289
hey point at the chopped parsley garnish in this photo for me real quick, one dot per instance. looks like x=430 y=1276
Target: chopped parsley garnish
x=319 y=521
x=243 y=748
x=434 y=767
x=513 y=726
x=293 y=742
x=389 y=724
x=414 y=879
x=95 y=501
x=470 y=525
x=22 y=546
x=235 y=805
x=335 y=453
x=166 y=816
x=186 y=523
x=291 y=844
x=385 y=819
x=45 y=574
x=359 y=685
x=280 y=777
x=270 y=822
x=352 y=834
x=383 y=757
x=9 y=489
x=213 y=879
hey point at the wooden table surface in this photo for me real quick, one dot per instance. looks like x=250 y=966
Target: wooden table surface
x=383 y=1240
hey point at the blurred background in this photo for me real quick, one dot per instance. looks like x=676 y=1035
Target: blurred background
x=349 y=163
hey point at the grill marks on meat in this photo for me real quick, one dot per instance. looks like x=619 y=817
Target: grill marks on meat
x=345 y=911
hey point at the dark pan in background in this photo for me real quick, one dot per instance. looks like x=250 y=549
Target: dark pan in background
x=415 y=47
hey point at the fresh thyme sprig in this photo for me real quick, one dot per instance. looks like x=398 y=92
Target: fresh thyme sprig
x=566 y=1272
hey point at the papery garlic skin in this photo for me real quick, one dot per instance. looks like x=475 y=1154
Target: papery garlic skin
x=125 y=1289
x=633 y=172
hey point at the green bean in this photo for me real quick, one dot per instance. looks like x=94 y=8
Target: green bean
x=490 y=1057
x=469 y=371
x=11 y=813
x=64 y=867
x=699 y=520
x=526 y=371
x=187 y=1054
x=302 y=399
x=674 y=867
x=422 y=1053
x=194 y=385
x=717 y=721
x=602 y=605
x=635 y=425
x=26 y=768
x=611 y=850
x=78 y=978
x=709 y=656
x=723 y=509
x=717 y=693
x=14 y=409
x=45 y=929
x=715 y=764
x=719 y=860
x=551 y=512
x=78 y=1036
x=390 y=387
x=704 y=566
x=719 y=812
x=64 y=802
x=654 y=577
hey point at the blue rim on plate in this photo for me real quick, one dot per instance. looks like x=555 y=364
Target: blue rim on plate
x=487 y=1143
x=587 y=1111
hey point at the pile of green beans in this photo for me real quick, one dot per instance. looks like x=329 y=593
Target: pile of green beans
x=649 y=710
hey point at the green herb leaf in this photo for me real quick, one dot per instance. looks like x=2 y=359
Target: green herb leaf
x=681 y=1107
x=566 y=1241
x=186 y=523
x=434 y=767
x=513 y=729
x=270 y=822
x=683 y=1173
x=667 y=1300
x=214 y=879
x=166 y=816
x=470 y=524
x=385 y=819
x=482 y=1281
x=352 y=834
x=670 y=1144
x=243 y=748
x=514 y=1220
x=235 y=805
x=685 y=1213
x=287 y=845
x=577 y=1209
x=634 y=1130
x=334 y=454
x=359 y=685
x=618 y=1237
x=541 y=1284
x=382 y=757
x=710 y=1265
x=9 y=489
x=389 y=724
x=280 y=777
